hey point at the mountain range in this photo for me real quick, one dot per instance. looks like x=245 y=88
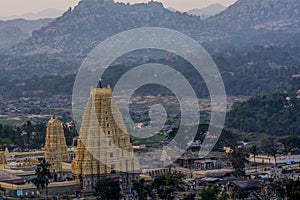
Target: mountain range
x=253 y=56
x=80 y=29
x=60 y=46
x=271 y=15
x=47 y=13
x=208 y=11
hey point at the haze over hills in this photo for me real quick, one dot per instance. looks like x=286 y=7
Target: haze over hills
x=267 y=62
x=14 y=31
x=208 y=11
x=47 y=13
x=90 y=22
x=27 y=26
x=81 y=29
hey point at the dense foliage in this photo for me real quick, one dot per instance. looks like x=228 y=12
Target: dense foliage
x=209 y=193
x=258 y=71
x=277 y=114
x=107 y=189
x=36 y=86
x=166 y=186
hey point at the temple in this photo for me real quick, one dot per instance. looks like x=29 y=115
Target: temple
x=56 y=151
x=104 y=148
x=2 y=160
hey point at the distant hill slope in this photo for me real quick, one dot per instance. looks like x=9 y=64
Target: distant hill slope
x=27 y=26
x=47 y=13
x=274 y=15
x=10 y=35
x=14 y=31
x=208 y=11
x=79 y=30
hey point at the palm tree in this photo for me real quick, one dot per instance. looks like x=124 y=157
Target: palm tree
x=254 y=151
x=273 y=153
x=43 y=176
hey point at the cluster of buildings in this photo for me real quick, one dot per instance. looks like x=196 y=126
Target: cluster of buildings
x=104 y=150
x=34 y=108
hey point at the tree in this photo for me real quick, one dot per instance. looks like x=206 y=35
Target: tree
x=273 y=152
x=238 y=160
x=167 y=185
x=291 y=143
x=43 y=176
x=107 y=189
x=254 y=151
x=142 y=189
x=269 y=146
x=293 y=189
x=209 y=193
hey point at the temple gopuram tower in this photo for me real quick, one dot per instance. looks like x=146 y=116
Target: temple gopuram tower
x=103 y=147
x=2 y=160
x=55 y=147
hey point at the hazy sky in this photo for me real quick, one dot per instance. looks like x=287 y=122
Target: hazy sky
x=17 y=7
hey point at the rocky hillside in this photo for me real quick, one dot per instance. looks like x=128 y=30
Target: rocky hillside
x=271 y=15
x=80 y=29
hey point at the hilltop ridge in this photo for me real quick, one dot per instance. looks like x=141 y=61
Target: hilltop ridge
x=80 y=29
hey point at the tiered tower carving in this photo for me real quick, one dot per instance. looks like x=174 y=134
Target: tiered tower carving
x=56 y=150
x=2 y=160
x=103 y=147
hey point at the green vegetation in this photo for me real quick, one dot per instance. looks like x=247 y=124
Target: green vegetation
x=293 y=189
x=43 y=176
x=37 y=86
x=142 y=188
x=107 y=189
x=166 y=186
x=238 y=159
x=163 y=187
x=150 y=142
x=276 y=114
x=291 y=143
x=258 y=71
x=254 y=152
x=210 y=193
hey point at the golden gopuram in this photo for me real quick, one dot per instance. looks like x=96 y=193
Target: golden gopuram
x=2 y=160
x=103 y=147
x=56 y=150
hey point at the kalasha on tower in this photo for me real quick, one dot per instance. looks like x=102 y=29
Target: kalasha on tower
x=104 y=148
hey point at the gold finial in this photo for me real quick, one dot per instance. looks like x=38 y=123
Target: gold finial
x=99 y=83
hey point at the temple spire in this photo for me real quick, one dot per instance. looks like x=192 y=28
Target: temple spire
x=99 y=83
x=104 y=144
x=56 y=150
